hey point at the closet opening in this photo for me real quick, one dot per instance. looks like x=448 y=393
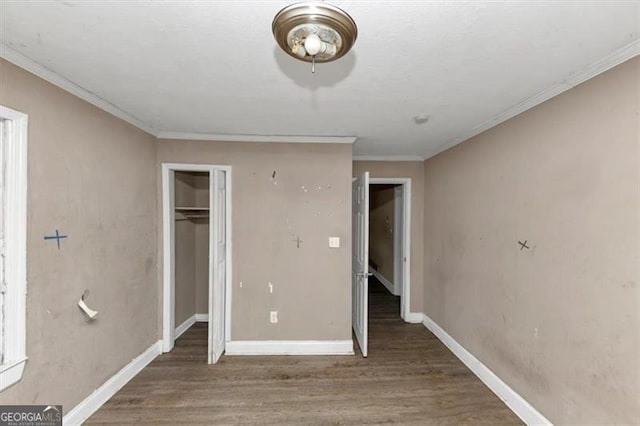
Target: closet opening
x=191 y=245
x=196 y=253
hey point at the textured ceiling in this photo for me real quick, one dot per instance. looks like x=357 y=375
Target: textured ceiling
x=214 y=67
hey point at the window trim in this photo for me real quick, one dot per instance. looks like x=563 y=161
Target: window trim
x=15 y=297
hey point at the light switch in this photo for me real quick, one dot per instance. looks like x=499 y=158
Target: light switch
x=334 y=242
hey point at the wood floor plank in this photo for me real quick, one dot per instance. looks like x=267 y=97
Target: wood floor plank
x=410 y=377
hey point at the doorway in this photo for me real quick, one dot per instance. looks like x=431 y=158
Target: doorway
x=362 y=266
x=196 y=213
x=191 y=246
x=385 y=235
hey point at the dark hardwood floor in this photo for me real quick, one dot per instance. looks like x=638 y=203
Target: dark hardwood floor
x=410 y=377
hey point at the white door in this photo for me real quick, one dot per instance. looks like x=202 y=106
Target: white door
x=360 y=260
x=217 y=263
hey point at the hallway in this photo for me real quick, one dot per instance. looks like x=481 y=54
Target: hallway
x=410 y=377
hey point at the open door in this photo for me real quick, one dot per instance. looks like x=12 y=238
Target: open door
x=217 y=263
x=360 y=260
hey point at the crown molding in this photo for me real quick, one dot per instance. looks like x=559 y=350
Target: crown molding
x=229 y=137
x=619 y=56
x=387 y=158
x=56 y=79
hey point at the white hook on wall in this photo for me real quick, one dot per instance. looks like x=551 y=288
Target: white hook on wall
x=90 y=313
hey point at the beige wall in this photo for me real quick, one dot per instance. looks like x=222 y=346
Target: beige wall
x=185 y=192
x=201 y=184
x=185 y=255
x=202 y=266
x=381 y=222
x=185 y=249
x=415 y=171
x=557 y=322
x=91 y=176
x=309 y=197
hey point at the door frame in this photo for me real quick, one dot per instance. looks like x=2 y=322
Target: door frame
x=405 y=294
x=168 y=248
x=15 y=187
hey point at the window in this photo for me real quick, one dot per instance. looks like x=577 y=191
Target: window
x=13 y=243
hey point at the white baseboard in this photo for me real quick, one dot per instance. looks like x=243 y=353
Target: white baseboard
x=414 y=317
x=81 y=412
x=289 y=347
x=385 y=282
x=510 y=397
x=189 y=322
x=185 y=326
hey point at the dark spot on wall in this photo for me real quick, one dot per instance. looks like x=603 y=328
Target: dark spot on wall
x=148 y=264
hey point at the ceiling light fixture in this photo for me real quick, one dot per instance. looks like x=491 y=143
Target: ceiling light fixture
x=314 y=32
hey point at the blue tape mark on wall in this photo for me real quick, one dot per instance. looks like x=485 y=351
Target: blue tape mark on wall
x=56 y=237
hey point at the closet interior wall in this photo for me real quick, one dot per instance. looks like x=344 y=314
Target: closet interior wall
x=191 y=246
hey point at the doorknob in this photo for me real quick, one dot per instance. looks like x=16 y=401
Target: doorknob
x=364 y=274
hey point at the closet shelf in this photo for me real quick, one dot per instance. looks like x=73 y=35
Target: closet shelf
x=192 y=209
x=190 y=213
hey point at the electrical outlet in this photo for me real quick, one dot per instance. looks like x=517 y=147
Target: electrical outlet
x=334 y=242
x=274 y=317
